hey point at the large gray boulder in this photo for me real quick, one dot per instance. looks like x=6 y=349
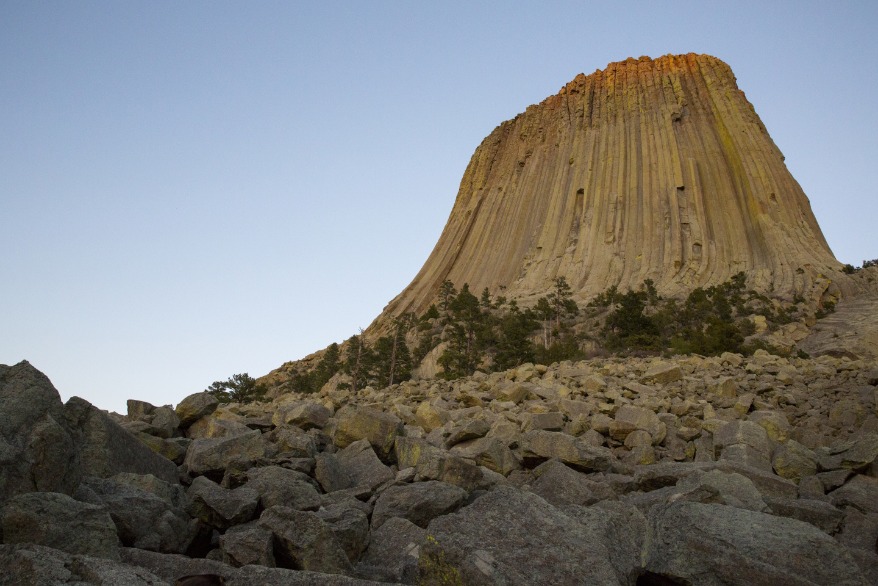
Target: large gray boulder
x=281 y=486
x=819 y=513
x=148 y=513
x=171 y=567
x=211 y=456
x=561 y=485
x=220 y=507
x=669 y=473
x=378 y=428
x=38 y=448
x=306 y=415
x=490 y=452
x=359 y=462
x=107 y=448
x=539 y=446
x=860 y=492
x=329 y=472
x=621 y=528
x=392 y=555
x=710 y=544
x=509 y=536
x=248 y=544
x=303 y=541
x=194 y=407
x=725 y=488
x=432 y=463
x=292 y=442
x=744 y=442
x=37 y=565
x=58 y=521
x=349 y=522
x=630 y=418
x=420 y=502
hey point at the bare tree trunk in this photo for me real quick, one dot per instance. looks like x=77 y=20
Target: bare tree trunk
x=393 y=356
x=356 y=374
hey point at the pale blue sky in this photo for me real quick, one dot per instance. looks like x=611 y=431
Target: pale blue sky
x=189 y=190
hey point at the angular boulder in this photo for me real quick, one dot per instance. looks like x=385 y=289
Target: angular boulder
x=432 y=463
x=248 y=544
x=58 y=521
x=392 y=555
x=147 y=519
x=509 y=536
x=36 y=564
x=561 y=485
x=419 y=502
x=695 y=543
x=276 y=485
x=359 y=462
x=211 y=456
x=305 y=415
x=538 y=446
x=220 y=507
x=106 y=448
x=378 y=428
x=490 y=452
x=303 y=541
x=194 y=407
x=38 y=447
x=349 y=522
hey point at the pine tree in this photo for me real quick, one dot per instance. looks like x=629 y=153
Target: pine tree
x=514 y=346
x=561 y=302
x=327 y=367
x=543 y=311
x=239 y=388
x=357 y=361
x=465 y=334
x=447 y=294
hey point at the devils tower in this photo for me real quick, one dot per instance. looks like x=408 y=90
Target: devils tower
x=650 y=169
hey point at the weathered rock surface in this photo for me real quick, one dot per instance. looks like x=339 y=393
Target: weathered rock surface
x=652 y=168
x=392 y=555
x=419 y=502
x=56 y=520
x=148 y=513
x=36 y=564
x=211 y=456
x=107 y=449
x=493 y=541
x=779 y=453
x=194 y=407
x=220 y=507
x=276 y=485
x=304 y=541
x=378 y=428
x=37 y=446
x=717 y=544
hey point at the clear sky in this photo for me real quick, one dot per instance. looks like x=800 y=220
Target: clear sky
x=190 y=190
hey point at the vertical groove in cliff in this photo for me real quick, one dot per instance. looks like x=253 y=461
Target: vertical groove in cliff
x=654 y=169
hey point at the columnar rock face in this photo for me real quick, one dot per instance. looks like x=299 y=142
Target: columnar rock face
x=650 y=169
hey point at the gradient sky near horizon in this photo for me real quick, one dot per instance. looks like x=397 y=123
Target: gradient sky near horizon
x=190 y=190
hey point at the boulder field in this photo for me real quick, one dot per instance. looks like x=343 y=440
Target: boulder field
x=636 y=471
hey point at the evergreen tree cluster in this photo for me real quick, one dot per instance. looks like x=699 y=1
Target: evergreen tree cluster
x=239 y=388
x=850 y=269
x=490 y=333
x=385 y=362
x=495 y=334
x=709 y=321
